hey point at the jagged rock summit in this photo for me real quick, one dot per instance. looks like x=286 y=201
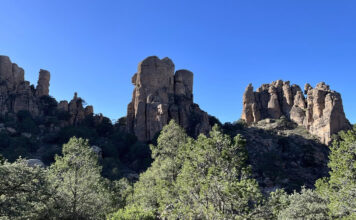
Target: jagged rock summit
x=16 y=94
x=160 y=94
x=320 y=112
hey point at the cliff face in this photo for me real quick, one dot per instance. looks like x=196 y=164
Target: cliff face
x=160 y=94
x=320 y=112
x=16 y=94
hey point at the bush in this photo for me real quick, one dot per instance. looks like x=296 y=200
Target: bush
x=132 y=213
x=305 y=205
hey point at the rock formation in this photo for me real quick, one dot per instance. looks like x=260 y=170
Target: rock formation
x=16 y=94
x=321 y=112
x=160 y=94
x=43 y=83
x=75 y=109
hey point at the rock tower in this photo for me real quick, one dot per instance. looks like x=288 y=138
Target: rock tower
x=160 y=94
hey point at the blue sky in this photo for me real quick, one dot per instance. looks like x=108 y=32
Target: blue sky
x=93 y=47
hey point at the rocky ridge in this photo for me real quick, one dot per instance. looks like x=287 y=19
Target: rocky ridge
x=320 y=112
x=16 y=94
x=160 y=94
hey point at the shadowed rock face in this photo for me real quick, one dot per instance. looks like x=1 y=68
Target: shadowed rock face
x=43 y=83
x=321 y=112
x=160 y=94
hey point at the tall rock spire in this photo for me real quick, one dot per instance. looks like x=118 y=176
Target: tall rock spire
x=160 y=95
x=42 y=88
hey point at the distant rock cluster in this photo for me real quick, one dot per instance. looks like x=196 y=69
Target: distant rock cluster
x=320 y=112
x=160 y=94
x=16 y=94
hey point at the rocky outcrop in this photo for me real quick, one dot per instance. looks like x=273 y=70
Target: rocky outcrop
x=16 y=94
x=160 y=94
x=77 y=112
x=321 y=112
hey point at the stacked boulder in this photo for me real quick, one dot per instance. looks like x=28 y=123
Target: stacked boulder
x=321 y=112
x=160 y=94
x=77 y=112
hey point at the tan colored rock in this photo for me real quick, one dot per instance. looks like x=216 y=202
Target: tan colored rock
x=321 y=112
x=6 y=70
x=250 y=112
x=19 y=74
x=183 y=84
x=42 y=88
x=274 y=109
x=89 y=110
x=287 y=98
x=298 y=109
x=24 y=99
x=63 y=106
x=76 y=110
x=161 y=95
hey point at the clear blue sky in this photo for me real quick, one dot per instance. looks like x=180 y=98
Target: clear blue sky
x=93 y=47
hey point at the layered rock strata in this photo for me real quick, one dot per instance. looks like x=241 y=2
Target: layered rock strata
x=320 y=112
x=160 y=94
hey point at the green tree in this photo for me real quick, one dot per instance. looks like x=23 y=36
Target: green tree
x=205 y=178
x=155 y=190
x=215 y=182
x=80 y=189
x=132 y=213
x=24 y=191
x=306 y=205
x=340 y=187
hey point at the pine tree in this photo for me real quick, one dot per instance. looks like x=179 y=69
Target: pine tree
x=340 y=187
x=80 y=189
x=24 y=191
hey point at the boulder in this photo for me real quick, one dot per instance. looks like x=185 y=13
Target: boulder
x=35 y=162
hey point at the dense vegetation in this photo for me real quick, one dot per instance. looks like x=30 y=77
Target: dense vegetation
x=42 y=137
x=203 y=178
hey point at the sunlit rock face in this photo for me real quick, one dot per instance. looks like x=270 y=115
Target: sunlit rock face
x=16 y=94
x=161 y=94
x=321 y=111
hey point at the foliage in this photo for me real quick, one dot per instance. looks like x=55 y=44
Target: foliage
x=121 y=192
x=25 y=122
x=132 y=213
x=205 y=178
x=14 y=147
x=214 y=182
x=48 y=105
x=306 y=205
x=24 y=191
x=80 y=189
x=340 y=187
